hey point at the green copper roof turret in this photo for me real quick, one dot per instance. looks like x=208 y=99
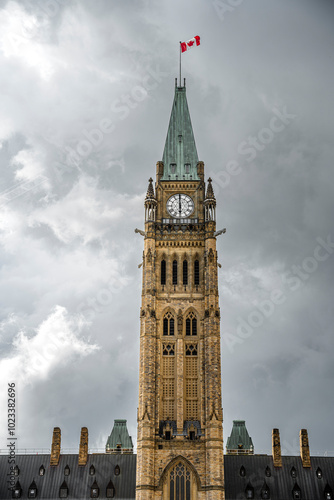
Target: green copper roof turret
x=239 y=441
x=119 y=439
x=180 y=154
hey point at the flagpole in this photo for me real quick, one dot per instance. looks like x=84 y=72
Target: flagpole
x=180 y=64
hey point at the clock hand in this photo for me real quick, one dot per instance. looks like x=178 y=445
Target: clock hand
x=180 y=205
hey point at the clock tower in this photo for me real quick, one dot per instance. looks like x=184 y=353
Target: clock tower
x=180 y=436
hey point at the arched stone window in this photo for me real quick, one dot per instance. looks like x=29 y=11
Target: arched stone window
x=191 y=324
x=168 y=324
x=180 y=483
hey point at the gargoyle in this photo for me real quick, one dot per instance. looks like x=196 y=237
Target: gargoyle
x=221 y=231
x=140 y=232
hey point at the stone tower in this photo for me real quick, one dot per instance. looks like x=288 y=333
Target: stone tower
x=180 y=437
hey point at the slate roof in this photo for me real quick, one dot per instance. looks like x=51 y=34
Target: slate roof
x=79 y=481
x=180 y=147
x=280 y=482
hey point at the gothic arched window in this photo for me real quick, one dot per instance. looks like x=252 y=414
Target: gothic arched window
x=168 y=382
x=185 y=272
x=168 y=324
x=180 y=483
x=191 y=382
x=163 y=272
x=174 y=272
x=191 y=324
x=196 y=272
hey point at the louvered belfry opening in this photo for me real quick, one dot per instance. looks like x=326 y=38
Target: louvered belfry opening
x=174 y=272
x=163 y=272
x=185 y=272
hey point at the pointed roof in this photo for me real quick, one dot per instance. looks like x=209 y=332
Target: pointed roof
x=180 y=154
x=239 y=439
x=119 y=437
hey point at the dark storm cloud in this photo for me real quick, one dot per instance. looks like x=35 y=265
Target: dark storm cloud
x=87 y=90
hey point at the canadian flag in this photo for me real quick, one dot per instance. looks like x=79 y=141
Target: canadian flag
x=191 y=43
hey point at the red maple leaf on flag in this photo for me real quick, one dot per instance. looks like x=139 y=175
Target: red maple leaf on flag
x=190 y=43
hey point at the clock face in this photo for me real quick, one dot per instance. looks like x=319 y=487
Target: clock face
x=180 y=205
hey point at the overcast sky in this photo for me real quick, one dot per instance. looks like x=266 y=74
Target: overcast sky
x=86 y=94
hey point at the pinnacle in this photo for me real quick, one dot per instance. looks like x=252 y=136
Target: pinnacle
x=209 y=192
x=150 y=189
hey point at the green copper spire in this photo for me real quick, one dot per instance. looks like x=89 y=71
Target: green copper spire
x=180 y=154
